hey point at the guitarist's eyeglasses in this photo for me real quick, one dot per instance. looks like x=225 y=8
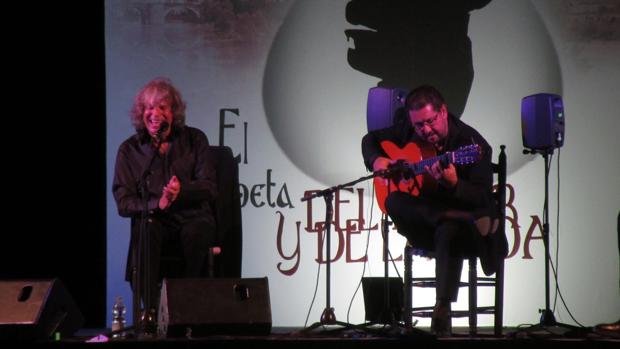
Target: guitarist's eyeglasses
x=428 y=122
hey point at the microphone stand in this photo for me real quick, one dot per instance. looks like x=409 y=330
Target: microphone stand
x=328 y=316
x=387 y=316
x=144 y=320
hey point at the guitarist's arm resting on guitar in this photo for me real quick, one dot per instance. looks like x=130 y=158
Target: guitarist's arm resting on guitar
x=381 y=163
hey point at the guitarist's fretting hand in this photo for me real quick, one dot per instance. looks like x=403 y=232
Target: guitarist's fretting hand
x=444 y=176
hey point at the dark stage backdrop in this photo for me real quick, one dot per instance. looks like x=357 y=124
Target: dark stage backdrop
x=54 y=186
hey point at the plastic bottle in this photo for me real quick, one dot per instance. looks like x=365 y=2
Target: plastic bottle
x=118 y=317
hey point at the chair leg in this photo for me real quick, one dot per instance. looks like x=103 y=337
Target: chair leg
x=407 y=285
x=473 y=299
x=211 y=262
x=499 y=300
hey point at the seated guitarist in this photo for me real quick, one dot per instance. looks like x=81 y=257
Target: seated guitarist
x=431 y=210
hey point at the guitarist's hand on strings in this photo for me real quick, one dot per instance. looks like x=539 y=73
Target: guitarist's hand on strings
x=446 y=176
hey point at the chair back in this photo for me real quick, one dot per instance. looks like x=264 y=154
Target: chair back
x=227 y=210
x=499 y=194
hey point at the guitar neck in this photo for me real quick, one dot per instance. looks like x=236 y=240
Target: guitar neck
x=418 y=167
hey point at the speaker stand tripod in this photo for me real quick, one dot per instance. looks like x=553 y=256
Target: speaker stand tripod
x=547 y=319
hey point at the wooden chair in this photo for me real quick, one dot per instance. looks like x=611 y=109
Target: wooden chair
x=474 y=281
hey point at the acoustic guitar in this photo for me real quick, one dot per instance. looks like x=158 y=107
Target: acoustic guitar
x=407 y=173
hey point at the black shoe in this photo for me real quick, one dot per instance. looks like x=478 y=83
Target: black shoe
x=148 y=324
x=441 y=322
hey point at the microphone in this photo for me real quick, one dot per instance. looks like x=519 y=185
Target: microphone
x=157 y=138
x=162 y=128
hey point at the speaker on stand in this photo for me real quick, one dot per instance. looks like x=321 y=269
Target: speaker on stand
x=542 y=129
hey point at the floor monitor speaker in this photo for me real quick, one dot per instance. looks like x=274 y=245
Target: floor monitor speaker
x=374 y=299
x=199 y=307
x=37 y=309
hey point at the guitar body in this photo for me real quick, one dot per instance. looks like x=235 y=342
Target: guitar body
x=411 y=153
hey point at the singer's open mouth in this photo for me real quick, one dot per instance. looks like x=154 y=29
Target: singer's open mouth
x=155 y=122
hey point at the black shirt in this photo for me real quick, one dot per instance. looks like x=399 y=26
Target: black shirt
x=187 y=158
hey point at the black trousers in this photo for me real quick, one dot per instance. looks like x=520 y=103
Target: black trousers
x=195 y=236
x=420 y=221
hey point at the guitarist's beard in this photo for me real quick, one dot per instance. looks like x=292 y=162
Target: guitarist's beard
x=431 y=137
x=436 y=140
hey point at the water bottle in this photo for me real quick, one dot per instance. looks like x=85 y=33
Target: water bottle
x=118 y=317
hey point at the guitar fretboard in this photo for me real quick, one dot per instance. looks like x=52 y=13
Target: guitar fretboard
x=418 y=167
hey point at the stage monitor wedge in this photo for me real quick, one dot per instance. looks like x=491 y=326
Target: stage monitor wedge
x=542 y=121
x=215 y=306
x=37 y=309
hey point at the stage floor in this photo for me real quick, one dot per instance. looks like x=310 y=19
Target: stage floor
x=338 y=338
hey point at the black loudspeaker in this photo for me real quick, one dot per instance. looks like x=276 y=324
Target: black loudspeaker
x=36 y=309
x=542 y=121
x=385 y=107
x=200 y=307
x=374 y=299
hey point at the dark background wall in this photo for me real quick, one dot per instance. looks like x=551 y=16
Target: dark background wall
x=54 y=174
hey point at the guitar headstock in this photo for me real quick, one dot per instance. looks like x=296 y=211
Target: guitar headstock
x=467 y=154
